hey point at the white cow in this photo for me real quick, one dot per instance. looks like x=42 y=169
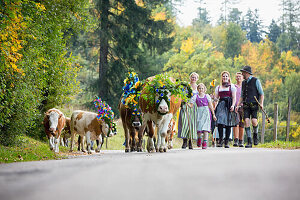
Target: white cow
x=86 y=124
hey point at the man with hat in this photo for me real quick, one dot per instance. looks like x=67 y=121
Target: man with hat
x=251 y=87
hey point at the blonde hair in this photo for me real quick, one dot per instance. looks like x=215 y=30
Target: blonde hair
x=194 y=73
x=202 y=84
x=229 y=79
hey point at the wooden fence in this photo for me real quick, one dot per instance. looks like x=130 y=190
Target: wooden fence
x=275 y=128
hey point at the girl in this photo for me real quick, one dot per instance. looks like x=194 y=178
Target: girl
x=204 y=103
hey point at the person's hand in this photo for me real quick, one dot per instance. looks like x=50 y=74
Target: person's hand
x=214 y=117
x=231 y=108
x=236 y=109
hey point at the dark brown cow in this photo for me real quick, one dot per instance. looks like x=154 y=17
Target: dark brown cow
x=66 y=134
x=131 y=125
x=54 y=122
x=161 y=115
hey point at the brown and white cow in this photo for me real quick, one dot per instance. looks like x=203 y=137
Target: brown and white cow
x=131 y=125
x=86 y=124
x=54 y=122
x=161 y=115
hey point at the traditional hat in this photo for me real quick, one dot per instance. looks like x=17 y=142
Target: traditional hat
x=246 y=69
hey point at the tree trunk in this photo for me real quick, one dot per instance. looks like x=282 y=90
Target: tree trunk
x=103 y=8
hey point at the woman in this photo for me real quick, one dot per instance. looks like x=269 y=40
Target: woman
x=226 y=116
x=187 y=118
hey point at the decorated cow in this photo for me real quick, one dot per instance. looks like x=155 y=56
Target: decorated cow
x=160 y=99
x=130 y=112
x=93 y=126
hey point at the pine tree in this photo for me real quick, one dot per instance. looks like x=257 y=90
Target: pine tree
x=274 y=31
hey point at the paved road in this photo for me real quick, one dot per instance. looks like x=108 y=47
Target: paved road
x=216 y=173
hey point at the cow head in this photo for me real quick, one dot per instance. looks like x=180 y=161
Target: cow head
x=136 y=118
x=53 y=120
x=162 y=100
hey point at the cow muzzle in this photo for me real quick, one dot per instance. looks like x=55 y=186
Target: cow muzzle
x=163 y=109
x=136 y=124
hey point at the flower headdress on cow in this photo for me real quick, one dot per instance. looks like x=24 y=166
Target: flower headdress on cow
x=161 y=85
x=105 y=113
x=132 y=92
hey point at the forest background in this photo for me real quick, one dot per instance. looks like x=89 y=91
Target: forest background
x=63 y=53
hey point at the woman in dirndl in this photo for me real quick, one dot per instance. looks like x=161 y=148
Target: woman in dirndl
x=187 y=129
x=225 y=112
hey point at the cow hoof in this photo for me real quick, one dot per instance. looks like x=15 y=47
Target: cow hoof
x=139 y=150
x=89 y=152
x=126 y=150
x=97 y=151
x=71 y=150
x=150 y=150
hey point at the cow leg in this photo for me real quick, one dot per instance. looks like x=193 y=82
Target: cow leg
x=140 y=135
x=88 y=142
x=133 y=142
x=51 y=143
x=162 y=132
x=56 y=144
x=82 y=143
x=150 y=143
x=127 y=138
x=99 y=144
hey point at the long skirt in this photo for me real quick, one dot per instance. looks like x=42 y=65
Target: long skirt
x=224 y=116
x=203 y=119
x=187 y=126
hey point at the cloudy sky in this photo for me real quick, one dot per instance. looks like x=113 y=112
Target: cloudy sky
x=267 y=9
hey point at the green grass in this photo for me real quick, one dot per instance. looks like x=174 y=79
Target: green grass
x=29 y=150
x=280 y=145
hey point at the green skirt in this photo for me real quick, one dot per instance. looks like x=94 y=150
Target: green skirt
x=187 y=126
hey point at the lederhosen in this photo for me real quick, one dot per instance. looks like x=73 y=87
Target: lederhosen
x=249 y=90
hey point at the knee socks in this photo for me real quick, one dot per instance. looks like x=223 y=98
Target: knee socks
x=220 y=130
x=255 y=129
x=227 y=133
x=248 y=131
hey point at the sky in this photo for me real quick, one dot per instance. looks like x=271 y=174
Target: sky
x=267 y=10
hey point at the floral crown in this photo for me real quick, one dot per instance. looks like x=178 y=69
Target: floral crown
x=132 y=92
x=161 y=85
x=105 y=113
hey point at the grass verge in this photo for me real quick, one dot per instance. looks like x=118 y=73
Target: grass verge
x=280 y=145
x=29 y=150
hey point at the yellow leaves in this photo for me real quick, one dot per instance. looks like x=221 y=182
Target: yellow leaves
x=140 y=3
x=40 y=6
x=296 y=133
x=118 y=10
x=161 y=16
x=187 y=46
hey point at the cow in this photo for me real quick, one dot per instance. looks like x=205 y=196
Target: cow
x=131 y=125
x=160 y=113
x=87 y=124
x=54 y=122
x=66 y=133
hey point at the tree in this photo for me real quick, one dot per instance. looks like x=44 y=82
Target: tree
x=128 y=31
x=233 y=41
x=235 y=16
x=253 y=26
x=274 y=31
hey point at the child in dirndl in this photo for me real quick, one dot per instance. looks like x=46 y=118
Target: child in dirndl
x=204 y=104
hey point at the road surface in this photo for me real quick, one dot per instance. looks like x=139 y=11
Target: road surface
x=215 y=173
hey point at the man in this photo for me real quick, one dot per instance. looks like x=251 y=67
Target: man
x=251 y=87
x=238 y=131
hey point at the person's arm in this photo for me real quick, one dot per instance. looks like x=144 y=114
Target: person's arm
x=260 y=92
x=233 y=92
x=212 y=110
